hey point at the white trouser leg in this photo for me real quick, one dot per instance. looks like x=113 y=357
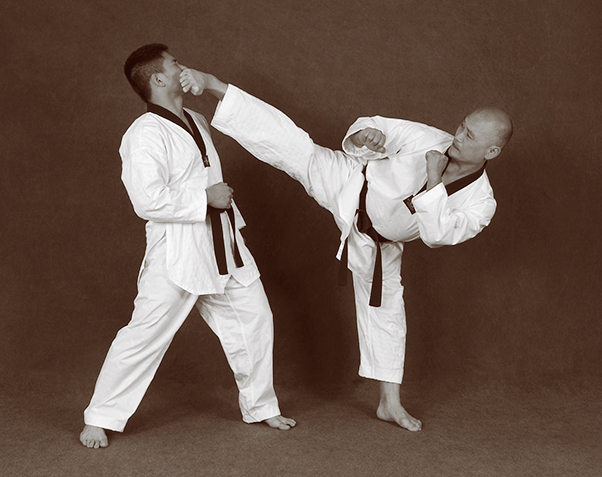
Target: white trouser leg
x=132 y=361
x=242 y=320
x=382 y=330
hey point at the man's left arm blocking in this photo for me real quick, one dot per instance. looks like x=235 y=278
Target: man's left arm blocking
x=443 y=223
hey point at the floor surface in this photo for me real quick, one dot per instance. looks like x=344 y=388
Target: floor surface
x=471 y=428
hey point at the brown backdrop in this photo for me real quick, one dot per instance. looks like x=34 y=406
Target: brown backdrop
x=519 y=302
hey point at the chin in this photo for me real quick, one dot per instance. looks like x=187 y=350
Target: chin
x=453 y=153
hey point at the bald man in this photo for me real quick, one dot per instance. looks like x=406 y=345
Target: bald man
x=395 y=181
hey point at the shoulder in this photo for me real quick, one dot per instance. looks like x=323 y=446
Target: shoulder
x=415 y=129
x=146 y=130
x=198 y=117
x=431 y=131
x=144 y=123
x=484 y=179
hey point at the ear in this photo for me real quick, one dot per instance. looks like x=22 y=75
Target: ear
x=157 y=80
x=492 y=152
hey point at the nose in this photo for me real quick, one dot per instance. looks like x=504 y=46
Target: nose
x=459 y=136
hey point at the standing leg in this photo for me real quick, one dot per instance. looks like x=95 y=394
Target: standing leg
x=242 y=320
x=382 y=335
x=132 y=361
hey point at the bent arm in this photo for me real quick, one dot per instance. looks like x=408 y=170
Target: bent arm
x=400 y=136
x=146 y=178
x=440 y=224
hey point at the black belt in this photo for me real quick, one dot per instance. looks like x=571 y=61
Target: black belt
x=364 y=225
x=218 y=239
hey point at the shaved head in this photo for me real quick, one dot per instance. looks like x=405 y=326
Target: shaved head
x=498 y=122
x=481 y=136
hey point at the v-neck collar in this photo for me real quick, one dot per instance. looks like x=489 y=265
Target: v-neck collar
x=167 y=114
x=195 y=133
x=462 y=182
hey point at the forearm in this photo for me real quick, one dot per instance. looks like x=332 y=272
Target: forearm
x=433 y=181
x=441 y=224
x=216 y=87
x=166 y=205
x=155 y=199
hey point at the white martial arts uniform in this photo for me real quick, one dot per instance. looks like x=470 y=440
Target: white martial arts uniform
x=165 y=177
x=335 y=178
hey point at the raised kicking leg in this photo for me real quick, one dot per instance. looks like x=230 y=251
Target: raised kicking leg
x=332 y=178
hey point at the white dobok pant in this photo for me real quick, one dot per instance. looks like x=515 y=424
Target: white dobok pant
x=274 y=138
x=240 y=317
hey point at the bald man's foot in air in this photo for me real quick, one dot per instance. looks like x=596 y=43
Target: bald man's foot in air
x=279 y=422
x=94 y=437
x=391 y=410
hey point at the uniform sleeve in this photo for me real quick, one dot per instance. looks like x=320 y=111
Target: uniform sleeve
x=441 y=225
x=145 y=175
x=401 y=136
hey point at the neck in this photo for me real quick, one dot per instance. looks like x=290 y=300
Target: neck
x=175 y=104
x=458 y=169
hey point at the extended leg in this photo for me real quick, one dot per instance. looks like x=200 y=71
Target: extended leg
x=132 y=361
x=272 y=137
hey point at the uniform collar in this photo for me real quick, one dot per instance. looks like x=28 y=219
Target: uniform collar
x=167 y=114
x=462 y=182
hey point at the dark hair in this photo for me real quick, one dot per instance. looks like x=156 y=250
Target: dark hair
x=141 y=65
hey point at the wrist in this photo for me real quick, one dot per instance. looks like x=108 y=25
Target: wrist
x=355 y=140
x=216 y=87
x=433 y=180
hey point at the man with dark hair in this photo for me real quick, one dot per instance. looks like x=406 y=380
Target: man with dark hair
x=141 y=65
x=195 y=255
x=394 y=181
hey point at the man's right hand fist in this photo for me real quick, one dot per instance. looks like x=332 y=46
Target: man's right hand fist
x=220 y=196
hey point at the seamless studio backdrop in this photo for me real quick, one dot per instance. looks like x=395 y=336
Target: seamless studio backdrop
x=518 y=304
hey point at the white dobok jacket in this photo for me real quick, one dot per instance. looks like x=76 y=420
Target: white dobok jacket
x=444 y=215
x=166 y=181
x=335 y=178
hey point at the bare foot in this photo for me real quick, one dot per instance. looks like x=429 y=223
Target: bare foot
x=279 y=422
x=391 y=410
x=396 y=413
x=94 y=437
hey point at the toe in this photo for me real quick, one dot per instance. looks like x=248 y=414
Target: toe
x=415 y=426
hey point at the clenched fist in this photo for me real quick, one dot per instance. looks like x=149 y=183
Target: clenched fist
x=220 y=196
x=435 y=166
x=373 y=139
x=193 y=81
